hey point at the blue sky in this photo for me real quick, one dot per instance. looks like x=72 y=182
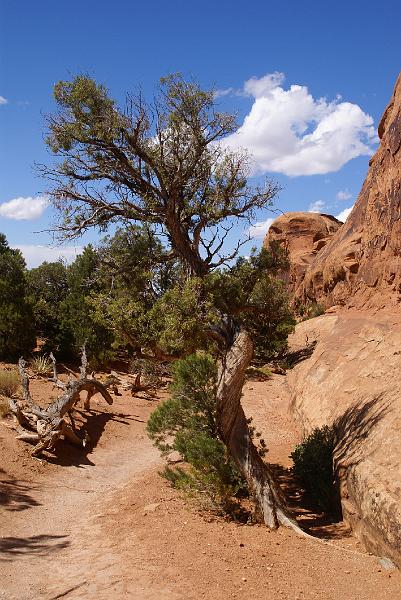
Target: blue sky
x=345 y=52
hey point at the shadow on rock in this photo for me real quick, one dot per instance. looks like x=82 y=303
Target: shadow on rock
x=355 y=426
x=304 y=509
x=293 y=358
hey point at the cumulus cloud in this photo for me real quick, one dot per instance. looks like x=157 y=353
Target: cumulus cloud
x=344 y=214
x=3 y=100
x=317 y=206
x=260 y=228
x=26 y=209
x=36 y=255
x=344 y=194
x=288 y=131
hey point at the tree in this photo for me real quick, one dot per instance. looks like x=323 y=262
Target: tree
x=77 y=325
x=48 y=288
x=165 y=165
x=17 y=334
x=134 y=273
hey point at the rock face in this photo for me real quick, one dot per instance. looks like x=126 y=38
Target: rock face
x=303 y=235
x=361 y=265
x=352 y=378
x=352 y=381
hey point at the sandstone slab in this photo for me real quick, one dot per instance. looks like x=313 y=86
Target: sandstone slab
x=352 y=380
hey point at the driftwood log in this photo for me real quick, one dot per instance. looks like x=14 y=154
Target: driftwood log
x=44 y=426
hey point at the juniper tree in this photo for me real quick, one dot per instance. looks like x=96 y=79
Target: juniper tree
x=17 y=333
x=162 y=164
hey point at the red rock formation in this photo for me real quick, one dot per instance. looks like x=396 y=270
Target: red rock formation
x=352 y=381
x=361 y=266
x=352 y=378
x=303 y=235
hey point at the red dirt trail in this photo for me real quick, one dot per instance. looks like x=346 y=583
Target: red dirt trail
x=104 y=525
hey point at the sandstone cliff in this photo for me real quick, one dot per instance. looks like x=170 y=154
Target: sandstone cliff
x=352 y=379
x=361 y=265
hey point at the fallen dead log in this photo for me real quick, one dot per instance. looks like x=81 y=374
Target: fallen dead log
x=44 y=426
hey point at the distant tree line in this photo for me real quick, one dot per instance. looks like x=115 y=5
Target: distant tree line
x=128 y=297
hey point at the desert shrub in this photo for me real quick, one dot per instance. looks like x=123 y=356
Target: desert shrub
x=41 y=365
x=5 y=410
x=315 y=310
x=186 y=423
x=9 y=383
x=151 y=373
x=313 y=467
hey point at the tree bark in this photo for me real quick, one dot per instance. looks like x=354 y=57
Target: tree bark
x=234 y=432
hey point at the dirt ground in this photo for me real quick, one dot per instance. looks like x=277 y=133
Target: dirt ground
x=104 y=525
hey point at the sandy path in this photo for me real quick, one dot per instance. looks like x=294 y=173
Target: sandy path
x=54 y=546
x=106 y=526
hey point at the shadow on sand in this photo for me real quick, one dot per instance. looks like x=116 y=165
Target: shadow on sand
x=38 y=545
x=15 y=494
x=93 y=422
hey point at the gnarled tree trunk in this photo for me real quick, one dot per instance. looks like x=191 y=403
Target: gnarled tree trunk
x=234 y=431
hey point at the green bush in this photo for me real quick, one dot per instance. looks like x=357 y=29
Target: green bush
x=313 y=467
x=186 y=423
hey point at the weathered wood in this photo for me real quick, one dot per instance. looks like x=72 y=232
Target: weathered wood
x=44 y=426
x=234 y=432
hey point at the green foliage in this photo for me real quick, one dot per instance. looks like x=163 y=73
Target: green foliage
x=17 y=334
x=187 y=423
x=77 y=324
x=9 y=382
x=313 y=466
x=48 y=288
x=311 y=310
x=250 y=292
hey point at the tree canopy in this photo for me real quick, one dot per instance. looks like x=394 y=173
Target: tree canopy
x=162 y=163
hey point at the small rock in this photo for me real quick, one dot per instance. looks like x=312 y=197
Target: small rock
x=149 y=508
x=387 y=563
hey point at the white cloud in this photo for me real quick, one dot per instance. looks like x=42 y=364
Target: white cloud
x=3 y=100
x=260 y=228
x=24 y=208
x=344 y=214
x=290 y=132
x=317 y=207
x=35 y=255
x=224 y=92
x=344 y=194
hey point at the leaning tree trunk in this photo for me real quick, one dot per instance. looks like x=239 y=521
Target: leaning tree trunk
x=235 y=433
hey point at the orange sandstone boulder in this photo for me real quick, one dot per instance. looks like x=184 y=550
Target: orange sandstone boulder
x=351 y=381
x=303 y=235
